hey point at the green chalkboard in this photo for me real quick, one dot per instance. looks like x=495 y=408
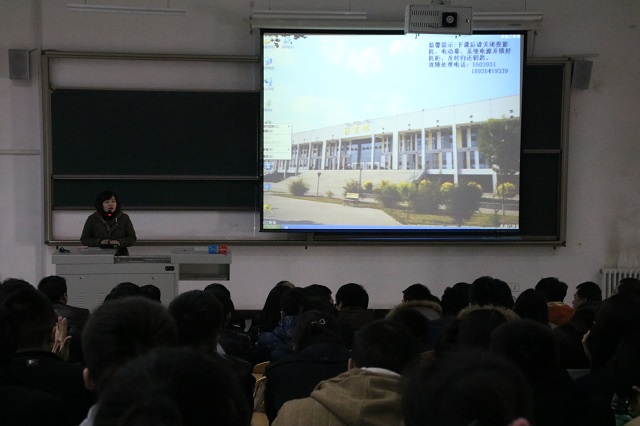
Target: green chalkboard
x=163 y=149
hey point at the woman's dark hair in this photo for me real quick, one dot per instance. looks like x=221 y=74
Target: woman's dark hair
x=315 y=327
x=455 y=298
x=467 y=388
x=104 y=196
x=270 y=314
x=173 y=387
x=532 y=304
x=476 y=327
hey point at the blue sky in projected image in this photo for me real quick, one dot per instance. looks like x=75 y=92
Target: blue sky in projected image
x=326 y=80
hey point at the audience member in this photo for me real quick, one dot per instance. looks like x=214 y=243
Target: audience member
x=233 y=342
x=625 y=371
x=10 y=285
x=270 y=315
x=531 y=304
x=122 y=290
x=276 y=344
x=476 y=326
x=119 y=331
x=199 y=318
x=555 y=291
x=572 y=356
x=628 y=285
x=468 y=388
x=532 y=347
x=34 y=363
x=22 y=406
x=55 y=288
x=413 y=320
x=490 y=291
x=319 y=354
x=352 y=302
x=370 y=391
x=617 y=318
x=419 y=297
x=151 y=292
x=454 y=299
x=321 y=291
x=168 y=387
x=588 y=291
x=236 y=322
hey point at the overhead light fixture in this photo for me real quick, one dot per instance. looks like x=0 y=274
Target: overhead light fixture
x=84 y=7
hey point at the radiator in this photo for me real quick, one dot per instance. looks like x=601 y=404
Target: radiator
x=612 y=276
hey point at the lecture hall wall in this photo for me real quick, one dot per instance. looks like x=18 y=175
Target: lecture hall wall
x=603 y=209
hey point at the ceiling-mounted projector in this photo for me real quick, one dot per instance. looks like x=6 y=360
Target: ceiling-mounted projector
x=423 y=19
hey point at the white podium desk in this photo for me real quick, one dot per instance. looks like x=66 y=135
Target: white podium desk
x=91 y=273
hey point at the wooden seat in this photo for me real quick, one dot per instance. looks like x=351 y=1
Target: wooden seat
x=260 y=368
x=351 y=199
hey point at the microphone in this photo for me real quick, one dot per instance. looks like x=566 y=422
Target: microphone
x=109 y=213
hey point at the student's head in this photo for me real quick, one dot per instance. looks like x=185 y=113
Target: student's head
x=321 y=291
x=532 y=304
x=168 y=387
x=315 y=327
x=121 y=330
x=151 y=292
x=271 y=311
x=618 y=317
x=552 y=288
x=628 y=285
x=199 y=317
x=218 y=287
x=10 y=285
x=569 y=339
x=490 y=291
x=34 y=318
x=122 y=290
x=291 y=301
x=385 y=344
x=528 y=344
x=352 y=295
x=586 y=292
x=416 y=292
x=54 y=287
x=475 y=328
x=467 y=388
x=107 y=201
x=225 y=302
x=417 y=323
x=455 y=298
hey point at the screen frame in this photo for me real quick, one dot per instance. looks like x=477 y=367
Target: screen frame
x=448 y=235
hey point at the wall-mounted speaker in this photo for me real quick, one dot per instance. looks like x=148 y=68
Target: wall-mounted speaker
x=581 y=75
x=19 y=64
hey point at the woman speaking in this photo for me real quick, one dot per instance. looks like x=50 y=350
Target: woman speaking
x=108 y=226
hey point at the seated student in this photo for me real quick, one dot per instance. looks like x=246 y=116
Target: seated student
x=352 y=302
x=319 y=354
x=10 y=285
x=270 y=315
x=235 y=322
x=625 y=368
x=419 y=297
x=233 y=342
x=22 y=406
x=275 y=345
x=369 y=393
x=119 y=331
x=628 y=285
x=587 y=292
x=555 y=291
x=173 y=387
x=199 y=318
x=490 y=291
x=122 y=290
x=34 y=363
x=468 y=388
x=532 y=347
x=151 y=292
x=532 y=304
x=55 y=288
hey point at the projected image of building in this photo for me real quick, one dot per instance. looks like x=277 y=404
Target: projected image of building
x=442 y=141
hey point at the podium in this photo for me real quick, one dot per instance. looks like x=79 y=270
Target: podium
x=91 y=273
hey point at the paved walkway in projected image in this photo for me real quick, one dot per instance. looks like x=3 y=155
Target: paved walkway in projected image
x=296 y=211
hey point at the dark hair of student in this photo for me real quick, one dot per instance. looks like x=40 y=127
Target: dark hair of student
x=34 y=315
x=552 y=288
x=467 y=388
x=352 y=294
x=54 y=287
x=385 y=344
x=121 y=330
x=151 y=292
x=10 y=285
x=292 y=300
x=199 y=317
x=490 y=291
x=315 y=327
x=455 y=298
x=270 y=314
x=474 y=330
x=417 y=323
x=589 y=290
x=169 y=387
x=531 y=304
